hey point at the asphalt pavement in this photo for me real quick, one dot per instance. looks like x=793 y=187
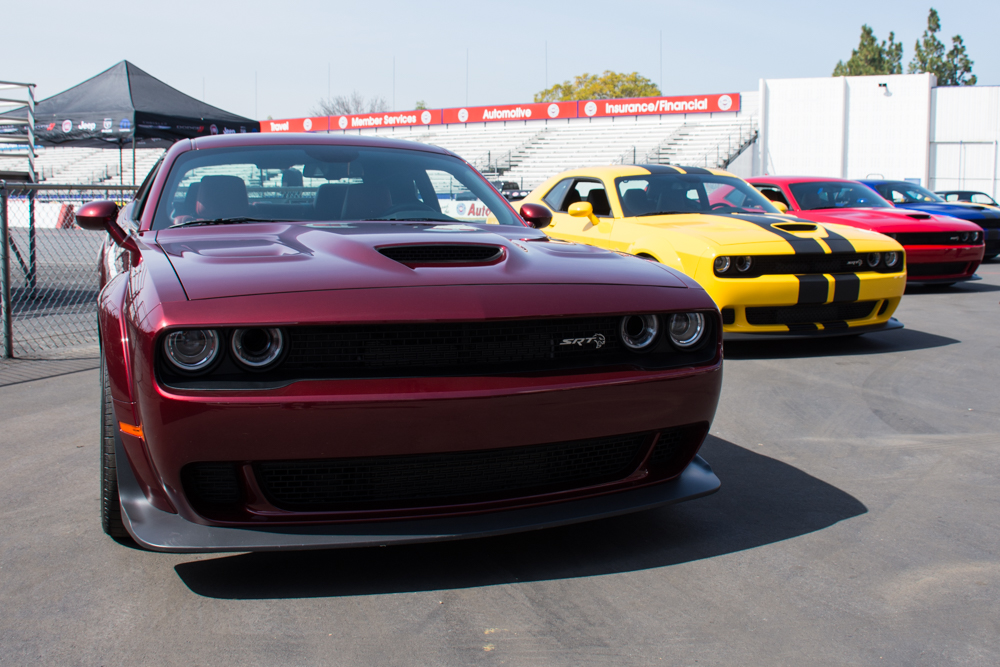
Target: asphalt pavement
x=858 y=524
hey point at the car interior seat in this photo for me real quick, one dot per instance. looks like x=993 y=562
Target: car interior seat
x=291 y=178
x=598 y=199
x=674 y=200
x=572 y=197
x=636 y=202
x=329 y=202
x=221 y=196
x=366 y=200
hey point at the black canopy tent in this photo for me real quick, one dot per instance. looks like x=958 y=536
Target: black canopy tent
x=124 y=106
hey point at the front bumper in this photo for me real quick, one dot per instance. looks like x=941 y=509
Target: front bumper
x=942 y=264
x=162 y=531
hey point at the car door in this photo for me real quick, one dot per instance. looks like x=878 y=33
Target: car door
x=594 y=230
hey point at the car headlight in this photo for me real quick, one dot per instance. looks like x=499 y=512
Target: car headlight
x=722 y=264
x=890 y=259
x=639 y=332
x=965 y=237
x=192 y=350
x=874 y=258
x=257 y=348
x=743 y=264
x=686 y=329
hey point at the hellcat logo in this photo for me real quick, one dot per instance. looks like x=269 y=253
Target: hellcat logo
x=597 y=339
x=854 y=262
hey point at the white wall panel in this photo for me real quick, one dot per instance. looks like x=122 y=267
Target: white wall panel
x=802 y=126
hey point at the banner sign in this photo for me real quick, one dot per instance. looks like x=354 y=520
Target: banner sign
x=543 y=111
x=363 y=121
x=314 y=124
x=643 y=106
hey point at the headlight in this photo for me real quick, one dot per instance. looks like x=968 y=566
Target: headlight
x=874 y=258
x=257 y=348
x=891 y=259
x=743 y=264
x=192 y=350
x=686 y=329
x=965 y=237
x=639 y=332
x=722 y=264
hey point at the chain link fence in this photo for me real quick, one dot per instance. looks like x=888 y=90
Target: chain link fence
x=49 y=270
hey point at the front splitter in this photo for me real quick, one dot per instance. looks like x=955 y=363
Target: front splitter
x=889 y=325
x=157 y=530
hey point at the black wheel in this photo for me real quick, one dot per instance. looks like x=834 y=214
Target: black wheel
x=111 y=509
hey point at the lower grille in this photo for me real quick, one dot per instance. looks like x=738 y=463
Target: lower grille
x=461 y=477
x=675 y=448
x=805 y=314
x=211 y=484
x=941 y=269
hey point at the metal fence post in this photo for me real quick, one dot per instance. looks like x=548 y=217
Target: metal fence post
x=32 y=251
x=8 y=329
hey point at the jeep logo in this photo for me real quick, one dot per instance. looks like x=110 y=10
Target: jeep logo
x=597 y=339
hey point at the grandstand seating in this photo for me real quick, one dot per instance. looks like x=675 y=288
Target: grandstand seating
x=526 y=152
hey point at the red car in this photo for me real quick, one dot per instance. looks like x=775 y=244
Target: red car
x=328 y=360
x=939 y=249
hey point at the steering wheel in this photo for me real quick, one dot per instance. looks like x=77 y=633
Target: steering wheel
x=721 y=205
x=409 y=206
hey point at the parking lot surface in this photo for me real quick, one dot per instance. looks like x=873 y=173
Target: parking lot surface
x=858 y=524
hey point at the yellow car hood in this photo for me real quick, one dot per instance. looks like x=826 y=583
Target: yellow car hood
x=742 y=229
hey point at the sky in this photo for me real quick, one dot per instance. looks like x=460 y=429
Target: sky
x=278 y=59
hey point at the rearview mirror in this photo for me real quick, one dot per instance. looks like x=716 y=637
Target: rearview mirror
x=536 y=215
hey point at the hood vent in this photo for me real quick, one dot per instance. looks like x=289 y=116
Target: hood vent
x=796 y=226
x=919 y=216
x=427 y=254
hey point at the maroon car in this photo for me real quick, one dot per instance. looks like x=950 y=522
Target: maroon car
x=302 y=350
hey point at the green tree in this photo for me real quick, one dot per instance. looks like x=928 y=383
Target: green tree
x=871 y=57
x=953 y=68
x=607 y=86
x=420 y=105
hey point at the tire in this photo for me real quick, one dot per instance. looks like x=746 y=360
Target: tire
x=111 y=508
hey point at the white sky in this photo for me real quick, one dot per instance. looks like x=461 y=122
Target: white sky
x=720 y=46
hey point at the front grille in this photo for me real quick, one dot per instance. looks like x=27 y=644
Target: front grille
x=449 y=345
x=931 y=238
x=805 y=314
x=211 y=484
x=449 y=478
x=442 y=254
x=676 y=447
x=811 y=264
x=940 y=269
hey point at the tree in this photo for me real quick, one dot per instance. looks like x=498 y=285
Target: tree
x=420 y=105
x=871 y=57
x=953 y=68
x=350 y=104
x=607 y=86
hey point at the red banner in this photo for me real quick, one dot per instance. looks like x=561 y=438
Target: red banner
x=315 y=124
x=543 y=111
x=362 y=121
x=642 y=106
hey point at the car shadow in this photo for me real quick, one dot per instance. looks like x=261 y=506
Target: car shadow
x=762 y=501
x=956 y=288
x=899 y=340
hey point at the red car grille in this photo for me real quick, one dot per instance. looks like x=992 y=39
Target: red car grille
x=938 y=269
x=467 y=477
x=933 y=238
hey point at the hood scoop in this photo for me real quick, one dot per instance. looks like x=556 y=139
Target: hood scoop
x=795 y=226
x=919 y=216
x=443 y=254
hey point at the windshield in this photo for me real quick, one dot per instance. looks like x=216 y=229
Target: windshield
x=816 y=195
x=663 y=194
x=324 y=182
x=901 y=192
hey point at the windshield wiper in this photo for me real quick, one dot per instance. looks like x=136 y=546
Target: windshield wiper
x=225 y=221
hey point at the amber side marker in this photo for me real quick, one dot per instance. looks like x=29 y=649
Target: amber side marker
x=130 y=430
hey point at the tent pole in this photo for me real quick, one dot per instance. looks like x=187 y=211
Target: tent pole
x=133 y=158
x=121 y=166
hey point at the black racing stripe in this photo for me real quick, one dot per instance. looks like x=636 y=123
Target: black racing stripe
x=813 y=289
x=660 y=168
x=802 y=327
x=839 y=324
x=801 y=246
x=696 y=170
x=846 y=287
x=837 y=242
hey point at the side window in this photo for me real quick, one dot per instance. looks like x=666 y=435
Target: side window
x=978 y=198
x=952 y=196
x=555 y=197
x=143 y=193
x=773 y=193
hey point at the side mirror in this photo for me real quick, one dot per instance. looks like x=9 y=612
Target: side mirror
x=102 y=216
x=536 y=215
x=781 y=206
x=584 y=209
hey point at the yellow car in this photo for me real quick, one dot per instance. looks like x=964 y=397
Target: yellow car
x=768 y=272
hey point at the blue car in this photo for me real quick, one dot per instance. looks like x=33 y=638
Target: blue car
x=910 y=195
